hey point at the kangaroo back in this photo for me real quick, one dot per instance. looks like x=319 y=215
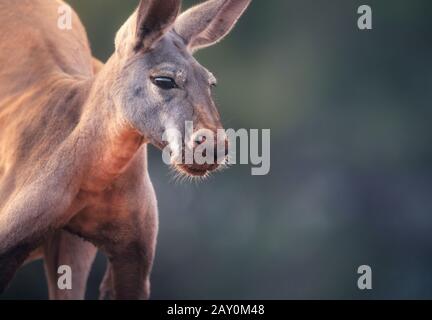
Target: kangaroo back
x=33 y=47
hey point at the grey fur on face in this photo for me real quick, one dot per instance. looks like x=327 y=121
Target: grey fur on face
x=169 y=54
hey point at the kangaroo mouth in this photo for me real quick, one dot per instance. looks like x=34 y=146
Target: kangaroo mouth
x=197 y=170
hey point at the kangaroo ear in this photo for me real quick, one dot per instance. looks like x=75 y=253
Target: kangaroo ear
x=148 y=24
x=155 y=17
x=209 y=22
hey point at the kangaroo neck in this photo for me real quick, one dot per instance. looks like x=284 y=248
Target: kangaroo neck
x=108 y=141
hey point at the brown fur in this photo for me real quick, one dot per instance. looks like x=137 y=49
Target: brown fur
x=72 y=163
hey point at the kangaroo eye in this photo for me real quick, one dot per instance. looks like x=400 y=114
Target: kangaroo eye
x=165 y=83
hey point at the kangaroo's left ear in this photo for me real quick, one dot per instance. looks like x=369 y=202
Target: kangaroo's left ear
x=147 y=25
x=154 y=18
x=209 y=22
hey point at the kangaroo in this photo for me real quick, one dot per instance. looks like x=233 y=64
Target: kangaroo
x=74 y=135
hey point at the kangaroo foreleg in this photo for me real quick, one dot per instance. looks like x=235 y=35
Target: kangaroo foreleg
x=34 y=211
x=66 y=249
x=106 y=289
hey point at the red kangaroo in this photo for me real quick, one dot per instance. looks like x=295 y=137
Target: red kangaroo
x=74 y=135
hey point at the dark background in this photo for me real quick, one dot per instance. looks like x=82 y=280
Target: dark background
x=350 y=181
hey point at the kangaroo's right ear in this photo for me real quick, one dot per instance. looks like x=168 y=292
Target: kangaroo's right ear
x=209 y=22
x=147 y=25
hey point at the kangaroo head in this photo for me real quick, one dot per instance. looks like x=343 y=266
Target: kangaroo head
x=159 y=86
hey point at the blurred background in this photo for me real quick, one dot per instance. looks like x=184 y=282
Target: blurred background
x=350 y=181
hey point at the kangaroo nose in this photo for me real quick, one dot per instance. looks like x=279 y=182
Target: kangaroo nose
x=217 y=143
x=199 y=140
x=201 y=137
